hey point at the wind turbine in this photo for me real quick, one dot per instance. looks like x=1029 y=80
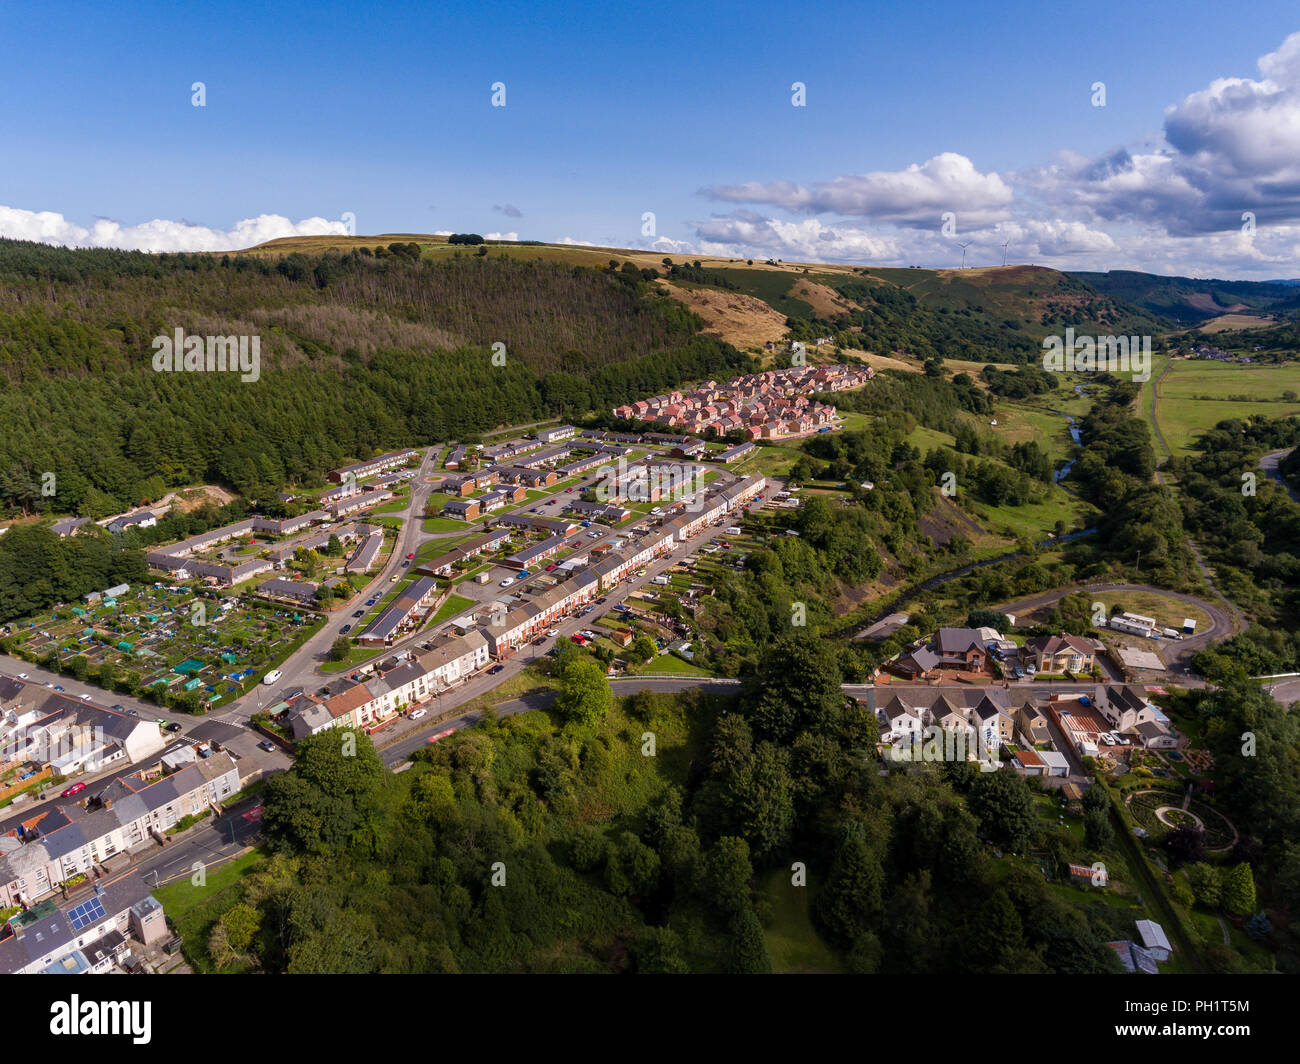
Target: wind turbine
x=1004 y=252
x=963 y=252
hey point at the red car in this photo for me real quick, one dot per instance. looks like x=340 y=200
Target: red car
x=410 y=556
x=579 y=640
x=76 y=787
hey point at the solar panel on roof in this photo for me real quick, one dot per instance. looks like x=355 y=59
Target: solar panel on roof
x=86 y=913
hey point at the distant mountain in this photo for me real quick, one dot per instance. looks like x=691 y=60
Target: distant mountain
x=1189 y=301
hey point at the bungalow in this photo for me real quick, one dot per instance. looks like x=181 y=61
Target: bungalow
x=301 y=592
x=535 y=553
x=736 y=453
x=143 y=519
x=68 y=526
x=402 y=614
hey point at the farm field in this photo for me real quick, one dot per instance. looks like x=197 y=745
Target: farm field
x=1197 y=394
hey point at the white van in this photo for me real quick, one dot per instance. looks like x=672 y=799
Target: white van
x=271 y=676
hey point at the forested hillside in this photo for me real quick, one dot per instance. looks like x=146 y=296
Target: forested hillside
x=359 y=351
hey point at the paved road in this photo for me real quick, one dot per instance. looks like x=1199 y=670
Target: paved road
x=1269 y=464
x=211 y=843
x=1284 y=692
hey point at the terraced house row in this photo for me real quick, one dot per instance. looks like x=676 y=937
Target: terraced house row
x=111 y=816
x=397 y=685
x=409 y=680
x=372 y=466
x=177 y=558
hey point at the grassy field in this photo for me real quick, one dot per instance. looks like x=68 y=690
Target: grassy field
x=1019 y=424
x=1197 y=394
x=769 y=461
x=1034 y=519
x=1169 y=612
x=791 y=940
x=194 y=910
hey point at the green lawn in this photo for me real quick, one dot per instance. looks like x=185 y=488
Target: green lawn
x=444 y=524
x=791 y=940
x=454 y=605
x=195 y=909
x=672 y=665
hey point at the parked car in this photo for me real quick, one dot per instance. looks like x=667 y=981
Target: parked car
x=495 y=669
x=370 y=602
x=553 y=633
x=358 y=613
x=132 y=713
x=526 y=573
x=418 y=714
x=539 y=641
x=551 y=567
x=22 y=676
x=507 y=581
x=271 y=676
x=410 y=556
x=345 y=629
x=173 y=727
x=76 y=788
x=85 y=698
x=266 y=745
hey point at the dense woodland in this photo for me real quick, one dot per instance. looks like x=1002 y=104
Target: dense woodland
x=1249 y=528
x=548 y=844
x=358 y=352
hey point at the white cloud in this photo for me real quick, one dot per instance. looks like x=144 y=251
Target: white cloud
x=50 y=227
x=917 y=196
x=500 y=236
x=1175 y=205
x=744 y=234
x=1230 y=148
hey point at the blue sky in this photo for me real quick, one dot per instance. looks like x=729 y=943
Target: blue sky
x=384 y=110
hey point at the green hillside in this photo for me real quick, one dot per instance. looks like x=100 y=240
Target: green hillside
x=358 y=352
